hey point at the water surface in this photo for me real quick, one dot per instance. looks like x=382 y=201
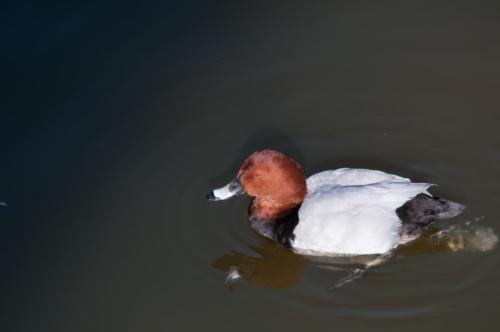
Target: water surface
x=118 y=117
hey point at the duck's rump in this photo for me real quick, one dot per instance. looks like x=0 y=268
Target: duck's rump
x=419 y=213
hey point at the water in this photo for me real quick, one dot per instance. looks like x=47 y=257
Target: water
x=118 y=117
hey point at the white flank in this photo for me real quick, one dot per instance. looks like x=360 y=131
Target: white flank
x=352 y=212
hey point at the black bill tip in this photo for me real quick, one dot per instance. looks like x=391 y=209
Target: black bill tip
x=211 y=196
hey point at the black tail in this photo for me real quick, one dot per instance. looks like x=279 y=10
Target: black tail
x=420 y=212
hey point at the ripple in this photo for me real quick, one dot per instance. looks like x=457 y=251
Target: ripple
x=428 y=275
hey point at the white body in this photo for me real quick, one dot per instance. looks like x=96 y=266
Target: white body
x=352 y=212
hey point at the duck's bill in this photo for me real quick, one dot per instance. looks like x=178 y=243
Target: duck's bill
x=232 y=189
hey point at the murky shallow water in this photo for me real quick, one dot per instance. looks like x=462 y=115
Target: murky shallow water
x=118 y=123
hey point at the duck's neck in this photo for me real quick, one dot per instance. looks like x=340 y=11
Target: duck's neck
x=270 y=210
x=279 y=229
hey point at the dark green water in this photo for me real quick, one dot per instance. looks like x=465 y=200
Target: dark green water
x=117 y=118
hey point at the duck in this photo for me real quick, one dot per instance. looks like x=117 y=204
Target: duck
x=341 y=212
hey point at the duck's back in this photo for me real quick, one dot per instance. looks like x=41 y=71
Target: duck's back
x=350 y=177
x=352 y=211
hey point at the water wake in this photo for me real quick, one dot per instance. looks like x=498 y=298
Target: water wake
x=468 y=237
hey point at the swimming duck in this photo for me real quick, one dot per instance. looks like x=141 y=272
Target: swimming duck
x=335 y=212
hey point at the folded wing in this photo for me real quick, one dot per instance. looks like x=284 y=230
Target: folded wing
x=352 y=212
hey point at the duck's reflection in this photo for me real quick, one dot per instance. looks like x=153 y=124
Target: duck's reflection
x=278 y=267
x=272 y=266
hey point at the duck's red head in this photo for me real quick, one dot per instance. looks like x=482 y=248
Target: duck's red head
x=275 y=180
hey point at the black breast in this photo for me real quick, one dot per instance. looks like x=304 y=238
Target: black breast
x=280 y=230
x=284 y=227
